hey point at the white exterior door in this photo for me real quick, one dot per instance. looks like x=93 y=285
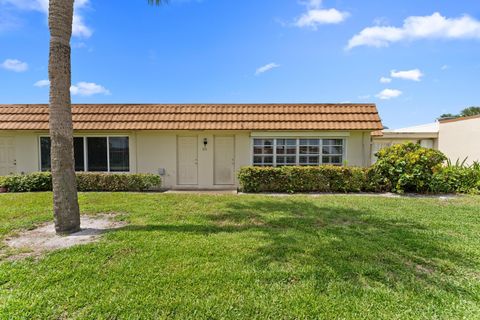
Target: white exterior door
x=7 y=156
x=187 y=167
x=224 y=161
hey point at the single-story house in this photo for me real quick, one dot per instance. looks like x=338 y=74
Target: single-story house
x=192 y=146
x=457 y=138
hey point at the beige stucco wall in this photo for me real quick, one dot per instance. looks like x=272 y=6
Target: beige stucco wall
x=26 y=150
x=358 y=149
x=460 y=139
x=27 y=147
x=152 y=150
x=158 y=150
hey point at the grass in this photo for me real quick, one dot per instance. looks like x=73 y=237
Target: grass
x=246 y=257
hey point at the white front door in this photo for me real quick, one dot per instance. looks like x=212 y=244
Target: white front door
x=224 y=161
x=187 y=167
x=7 y=156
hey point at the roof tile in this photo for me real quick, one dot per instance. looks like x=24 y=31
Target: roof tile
x=199 y=117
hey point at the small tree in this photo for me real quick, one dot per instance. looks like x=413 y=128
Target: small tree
x=467 y=112
x=471 y=111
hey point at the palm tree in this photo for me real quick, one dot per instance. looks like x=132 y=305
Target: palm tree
x=65 y=199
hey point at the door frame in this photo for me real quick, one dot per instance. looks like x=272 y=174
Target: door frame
x=178 y=157
x=215 y=160
x=14 y=148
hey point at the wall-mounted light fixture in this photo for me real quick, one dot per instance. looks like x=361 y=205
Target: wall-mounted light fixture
x=205 y=143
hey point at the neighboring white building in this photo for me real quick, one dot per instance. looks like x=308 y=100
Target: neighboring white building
x=192 y=146
x=458 y=138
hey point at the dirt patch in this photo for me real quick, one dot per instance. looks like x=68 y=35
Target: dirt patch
x=43 y=239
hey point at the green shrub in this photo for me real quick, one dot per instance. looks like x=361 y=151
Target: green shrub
x=39 y=181
x=2 y=182
x=116 y=182
x=303 y=179
x=42 y=181
x=457 y=179
x=406 y=168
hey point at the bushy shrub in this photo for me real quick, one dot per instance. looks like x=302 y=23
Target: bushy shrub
x=457 y=179
x=42 y=181
x=406 y=168
x=303 y=179
x=116 y=182
x=39 y=181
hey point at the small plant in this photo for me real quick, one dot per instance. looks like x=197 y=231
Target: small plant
x=458 y=177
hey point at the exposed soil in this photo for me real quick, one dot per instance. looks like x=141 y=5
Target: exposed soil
x=35 y=242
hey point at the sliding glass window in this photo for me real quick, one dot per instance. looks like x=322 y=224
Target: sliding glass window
x=45 y=162
x=93 y=154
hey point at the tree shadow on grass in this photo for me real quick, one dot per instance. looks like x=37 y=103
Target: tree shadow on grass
x=335 y=244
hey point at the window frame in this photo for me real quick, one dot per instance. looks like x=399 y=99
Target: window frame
x=297 y=154
x=85 y=151
x=263 y=155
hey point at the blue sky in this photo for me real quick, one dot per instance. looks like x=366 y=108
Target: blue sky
x=284 y=51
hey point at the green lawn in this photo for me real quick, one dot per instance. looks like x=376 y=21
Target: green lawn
x=245 y=257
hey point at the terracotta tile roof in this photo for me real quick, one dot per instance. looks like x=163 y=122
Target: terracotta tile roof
x=199 y=117
x=378 y=133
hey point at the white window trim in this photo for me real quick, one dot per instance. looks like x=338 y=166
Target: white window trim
x=85 y=152
x=321 y=138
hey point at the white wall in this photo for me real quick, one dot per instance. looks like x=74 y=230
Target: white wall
x=460 y=139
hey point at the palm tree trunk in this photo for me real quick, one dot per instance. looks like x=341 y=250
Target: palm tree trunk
x=65 y=199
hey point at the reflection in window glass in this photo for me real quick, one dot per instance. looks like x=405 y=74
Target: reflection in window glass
x=119 y=154
x=97 y=154
x=263 y=152
x=45 y=164
x=78 y=153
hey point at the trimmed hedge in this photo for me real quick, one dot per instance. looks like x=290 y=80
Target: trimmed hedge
x=42 y=181
x=304 y=179
x=400 y=168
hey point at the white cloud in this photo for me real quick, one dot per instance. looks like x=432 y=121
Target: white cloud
x=435 y=26
x=414 y=75
x=42 y=83
x=316 y=15
x=14 y=65
x=266 y=68
x=88 y=89
x=80 y=89
x=79 y=28
x=388 y=94
x=385 y=80
x=445 y=67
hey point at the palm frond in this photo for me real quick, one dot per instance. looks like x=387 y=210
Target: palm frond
x=157 y=2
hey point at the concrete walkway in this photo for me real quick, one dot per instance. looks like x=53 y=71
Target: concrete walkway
x=364 y=194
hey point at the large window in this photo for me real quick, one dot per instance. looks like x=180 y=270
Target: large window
x=94 y=154
x=45 y=162
x=303 y=152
